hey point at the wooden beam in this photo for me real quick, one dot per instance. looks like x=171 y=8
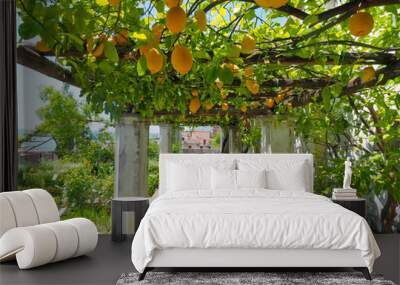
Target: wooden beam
x=30 y=58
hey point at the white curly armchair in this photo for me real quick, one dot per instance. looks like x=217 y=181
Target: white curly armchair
x=31 y=230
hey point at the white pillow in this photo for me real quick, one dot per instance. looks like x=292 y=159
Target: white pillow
x=223 y=179
x=294 y=178
x=251 y=178
x=188 y=177
x=281 y=174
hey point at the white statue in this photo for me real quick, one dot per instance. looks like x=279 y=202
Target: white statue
x=347 y=174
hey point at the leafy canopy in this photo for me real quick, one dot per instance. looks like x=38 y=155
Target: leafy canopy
x=304 y=53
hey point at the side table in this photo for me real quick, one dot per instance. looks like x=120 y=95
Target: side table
x=357 y=205
x=139 y=205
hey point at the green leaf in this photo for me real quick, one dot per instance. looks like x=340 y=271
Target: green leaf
x=141 y=66
x=225 y=75
x=111 y=52
x=326 y=97
x=211 y=74
x=28 y=29
x=311 y=19
x=106 y=67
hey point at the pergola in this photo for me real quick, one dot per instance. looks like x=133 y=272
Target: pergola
x=285 y=52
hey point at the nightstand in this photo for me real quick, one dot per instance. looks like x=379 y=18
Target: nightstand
x=357 y=205
x=139 y=205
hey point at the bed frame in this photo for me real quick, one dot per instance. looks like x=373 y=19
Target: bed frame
x=246 y=259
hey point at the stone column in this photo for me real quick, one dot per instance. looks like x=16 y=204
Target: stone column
x=235 y=142
x=166 y=138
x=132 y=137
x=224 y=140
x=266 y=131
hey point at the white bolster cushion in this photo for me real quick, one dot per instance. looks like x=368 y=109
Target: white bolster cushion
x=87 y=234
x=37 y=245
x=45 y=205
x=23 y=208
x=7 y=218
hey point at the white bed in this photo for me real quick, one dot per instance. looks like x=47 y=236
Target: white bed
x=214 y=211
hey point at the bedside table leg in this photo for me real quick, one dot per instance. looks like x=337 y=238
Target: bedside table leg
x=140 y=211
x=116 y=222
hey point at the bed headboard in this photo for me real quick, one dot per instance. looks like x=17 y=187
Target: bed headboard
x=232 y=158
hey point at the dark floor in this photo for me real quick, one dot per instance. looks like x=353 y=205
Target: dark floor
x=103 y=266
x=110 y=259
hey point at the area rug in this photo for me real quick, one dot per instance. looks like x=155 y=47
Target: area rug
x=244 y=278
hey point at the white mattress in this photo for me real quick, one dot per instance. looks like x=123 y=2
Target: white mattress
x=252 y=219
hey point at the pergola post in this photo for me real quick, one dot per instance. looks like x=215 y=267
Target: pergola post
x=166 y=138
x=266 y=130
x=235 y=142
x=131 y=148
x=224 y=143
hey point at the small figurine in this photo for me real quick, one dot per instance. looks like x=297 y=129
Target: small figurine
x=347 y=174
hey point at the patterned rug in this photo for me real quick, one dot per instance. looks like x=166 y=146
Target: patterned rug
x=243 y=278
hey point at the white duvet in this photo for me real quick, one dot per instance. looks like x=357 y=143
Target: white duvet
x=250 y=219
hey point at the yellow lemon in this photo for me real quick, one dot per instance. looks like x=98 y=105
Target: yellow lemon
x=248 y=71
x=122 y=37
x=269 y=103
x=98 y=52
x=42 y=46
x=181 y=59
x=368 y=74
x=271 y=3
x=154 y=60
x=194 y=105
x=248 y=44
x=252 y=86
x=361 y=24
x=172 y=3
x=201 y=19
x=176 y=20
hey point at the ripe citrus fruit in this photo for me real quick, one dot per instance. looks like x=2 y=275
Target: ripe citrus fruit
x=209 y=105
x=279 y=98
x=157 y=30
x=248 y=71
x=248 y=44
x=271 y=3
x=252 y=86
x=114 y=3
x=145 y=48
x=195 y=93
x=154 y=60
x=122 y=37
x=368 y=74
x=181 y=59
x=98 y=51
x=176 y=20
x=194 y=105
x=42 y=46
x=172 y=3
x=269 y=103
x=201 y=19
x=361 y=24
x=219 y=83
x=225 y=106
